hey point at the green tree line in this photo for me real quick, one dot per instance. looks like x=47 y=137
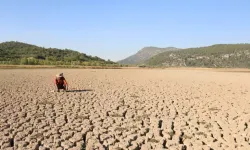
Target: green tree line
x=17 y=53
x=220 y=55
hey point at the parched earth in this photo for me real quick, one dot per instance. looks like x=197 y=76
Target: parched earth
x=125 y=109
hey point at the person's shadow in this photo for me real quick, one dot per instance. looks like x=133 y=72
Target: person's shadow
x=86 y=90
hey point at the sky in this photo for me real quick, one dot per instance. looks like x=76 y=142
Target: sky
x=115 y=29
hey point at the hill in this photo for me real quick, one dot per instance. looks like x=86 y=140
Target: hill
x=220 y=55
x=144 y=54
x=23 y=53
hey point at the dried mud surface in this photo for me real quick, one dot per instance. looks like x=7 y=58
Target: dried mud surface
x=124 y=109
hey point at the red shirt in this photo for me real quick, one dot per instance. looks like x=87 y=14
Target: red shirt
x=60 y=81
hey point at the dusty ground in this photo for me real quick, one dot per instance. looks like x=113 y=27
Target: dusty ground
x=125 y=109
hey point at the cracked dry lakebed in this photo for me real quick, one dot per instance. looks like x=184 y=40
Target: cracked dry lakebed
x=176 y=109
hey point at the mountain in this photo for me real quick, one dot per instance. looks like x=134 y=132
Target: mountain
x=219 y=55
x=23 y=53
x=144 y=54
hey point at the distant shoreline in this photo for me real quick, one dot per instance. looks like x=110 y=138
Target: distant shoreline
x=59 y=66
x=110 y=67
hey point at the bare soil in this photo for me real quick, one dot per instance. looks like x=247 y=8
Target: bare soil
x=125 y=109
